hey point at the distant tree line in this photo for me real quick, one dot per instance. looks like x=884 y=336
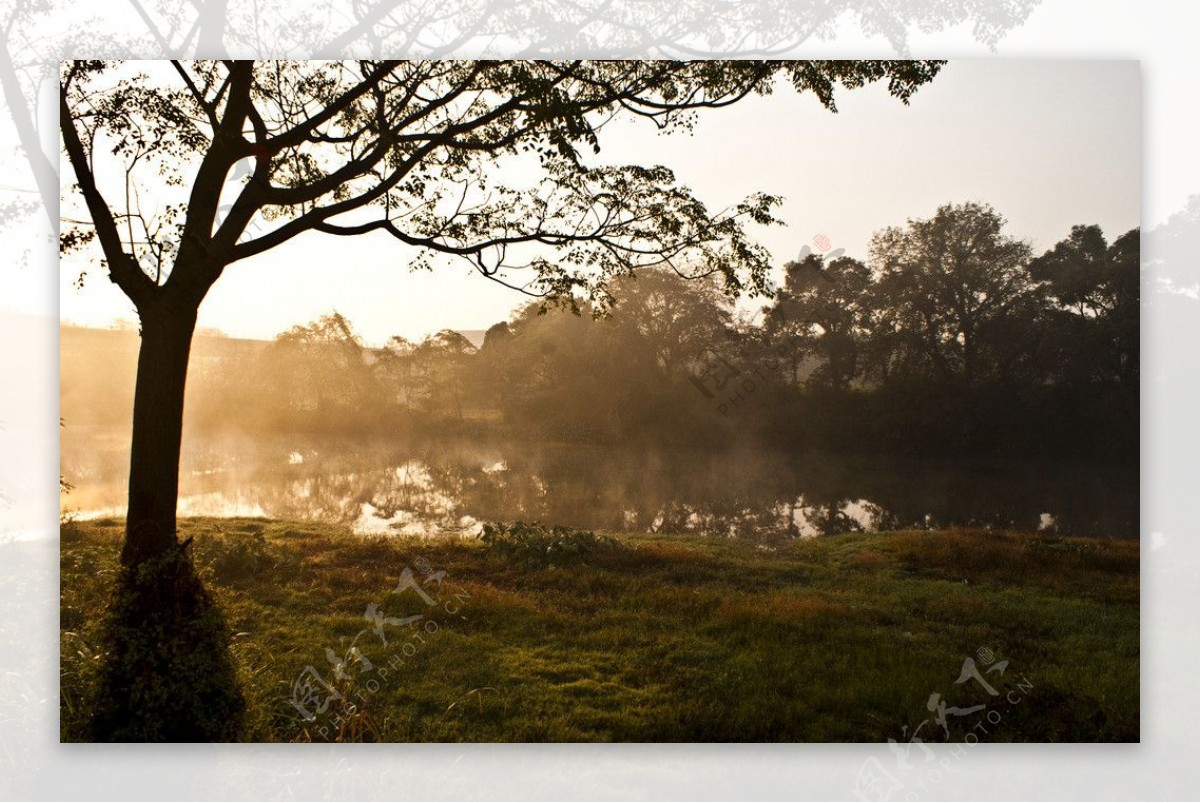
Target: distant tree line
x=952 y=338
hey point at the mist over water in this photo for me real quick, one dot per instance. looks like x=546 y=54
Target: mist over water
x=858 y=402
x=449 y=486
x=667 y=417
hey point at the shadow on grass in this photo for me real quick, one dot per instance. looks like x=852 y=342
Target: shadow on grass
x=167 y=675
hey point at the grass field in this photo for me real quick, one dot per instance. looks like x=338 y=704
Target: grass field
x=648 y=637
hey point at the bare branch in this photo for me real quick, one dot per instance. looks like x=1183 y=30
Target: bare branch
x=124 y=272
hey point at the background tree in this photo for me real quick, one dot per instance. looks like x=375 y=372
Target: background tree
x=440 y=364
x=953 y=282
x=669 y=318
x=320 y=371
x=1088 y=340
x=626 y=377
x=825 y=311
x=1095 y=285
x=557 y=372
x=394 y=366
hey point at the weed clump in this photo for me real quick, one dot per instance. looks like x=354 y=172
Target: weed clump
x=538 y=546
x=233 y=557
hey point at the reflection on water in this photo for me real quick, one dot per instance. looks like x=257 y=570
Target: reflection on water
x=437 y=488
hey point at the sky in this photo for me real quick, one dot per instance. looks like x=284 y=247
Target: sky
x=1048 y=144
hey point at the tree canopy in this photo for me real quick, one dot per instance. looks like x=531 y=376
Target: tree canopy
x=955 y=279
x=413 y=149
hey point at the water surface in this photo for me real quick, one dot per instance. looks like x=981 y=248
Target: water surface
x=452 y=486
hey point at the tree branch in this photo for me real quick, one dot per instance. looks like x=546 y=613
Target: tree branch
x=122 y=268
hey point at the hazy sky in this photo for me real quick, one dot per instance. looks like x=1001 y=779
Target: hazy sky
x=1048 y=143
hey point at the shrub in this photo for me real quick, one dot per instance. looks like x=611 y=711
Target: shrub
x=537 y=545
x=69 y=529
x=167 y=674
x=233 y=556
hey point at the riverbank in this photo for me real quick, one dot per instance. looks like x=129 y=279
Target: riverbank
x=544 y=636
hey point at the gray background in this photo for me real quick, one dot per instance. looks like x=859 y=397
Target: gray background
x=34 y=35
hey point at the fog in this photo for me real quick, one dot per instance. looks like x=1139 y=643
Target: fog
x=835 y=409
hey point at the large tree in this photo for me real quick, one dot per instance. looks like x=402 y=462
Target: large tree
x=956 y=286
x=825 y=310
x=410 y=149
x=1094 y=329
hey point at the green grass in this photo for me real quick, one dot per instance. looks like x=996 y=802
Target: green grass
x=652 y=637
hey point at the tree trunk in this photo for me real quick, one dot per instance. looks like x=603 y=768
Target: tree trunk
x=157 y=430
x=169 y=675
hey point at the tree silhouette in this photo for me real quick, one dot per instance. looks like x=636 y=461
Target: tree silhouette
x=954 y=281
x=1096 y=287
x=35 y=35
x=826 y=309
x=321 y=369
